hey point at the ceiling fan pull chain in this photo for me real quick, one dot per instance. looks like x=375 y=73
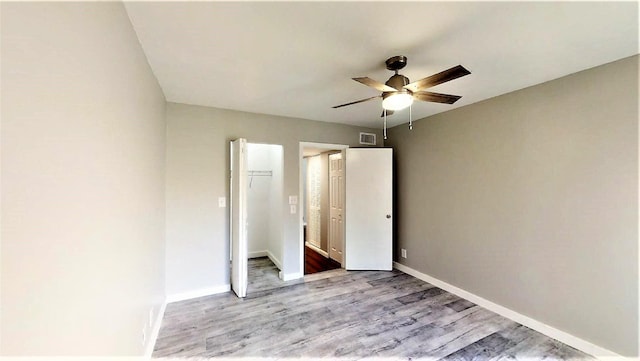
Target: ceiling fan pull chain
x=385 y=124
x=410 y=119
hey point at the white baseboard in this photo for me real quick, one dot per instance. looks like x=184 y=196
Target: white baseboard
x=257 y=254
x=274 y=260
x=290 y=276
x=198 y=293
x=155 y=330
x=543 y=328
x=317 y=249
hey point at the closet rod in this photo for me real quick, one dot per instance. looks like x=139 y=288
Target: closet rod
x=260 y=173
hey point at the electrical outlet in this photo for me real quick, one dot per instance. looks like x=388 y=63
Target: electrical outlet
x=403 y=253
x=222 y=202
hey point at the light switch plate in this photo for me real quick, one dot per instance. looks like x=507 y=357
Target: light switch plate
x=222 y=202
x=293 y=209
x=293 y=199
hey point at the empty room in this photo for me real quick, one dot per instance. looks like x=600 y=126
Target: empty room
x=319 y=180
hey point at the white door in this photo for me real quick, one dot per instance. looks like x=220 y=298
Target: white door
x=369 y=202
x=238 y=217
x=336 y=207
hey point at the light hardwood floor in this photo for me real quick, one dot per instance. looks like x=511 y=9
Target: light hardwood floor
x=347 y=316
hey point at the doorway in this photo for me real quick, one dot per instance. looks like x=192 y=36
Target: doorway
x=322 y=195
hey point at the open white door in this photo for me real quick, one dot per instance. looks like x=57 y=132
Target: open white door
x=368 y=206
x=238 y=218
x=336 y=207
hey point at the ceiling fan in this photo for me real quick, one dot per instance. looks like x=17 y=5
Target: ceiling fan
x=398 y=93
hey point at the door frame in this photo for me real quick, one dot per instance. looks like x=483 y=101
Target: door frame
x=301 y=195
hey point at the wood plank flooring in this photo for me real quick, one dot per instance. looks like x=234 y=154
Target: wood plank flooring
x=346 y=315
x=314 y=262
x=263 y=275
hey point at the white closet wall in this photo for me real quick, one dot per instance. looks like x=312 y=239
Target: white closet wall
x=264 y=203
x=258 y=159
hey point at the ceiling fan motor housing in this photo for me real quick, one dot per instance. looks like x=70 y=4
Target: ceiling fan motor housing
x=401 y=97
x=397 y=81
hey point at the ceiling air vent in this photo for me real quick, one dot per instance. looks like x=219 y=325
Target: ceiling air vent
x=368 y=138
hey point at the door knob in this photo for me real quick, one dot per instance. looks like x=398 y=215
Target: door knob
x=388 y=216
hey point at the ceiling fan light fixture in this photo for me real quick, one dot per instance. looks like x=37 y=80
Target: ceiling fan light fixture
x=397 y=101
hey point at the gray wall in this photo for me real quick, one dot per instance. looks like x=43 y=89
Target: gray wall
x=530 y=200
x=83 y=142
x=197 y=174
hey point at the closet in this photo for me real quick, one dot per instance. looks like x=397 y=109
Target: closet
x=264 y=206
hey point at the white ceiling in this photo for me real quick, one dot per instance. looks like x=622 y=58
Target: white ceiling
x=297 y=59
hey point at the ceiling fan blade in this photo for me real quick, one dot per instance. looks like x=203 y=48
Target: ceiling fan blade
x=389 y=112
x=442 y=77
x=436 y=97
x=375 y=84
x=356 y=102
